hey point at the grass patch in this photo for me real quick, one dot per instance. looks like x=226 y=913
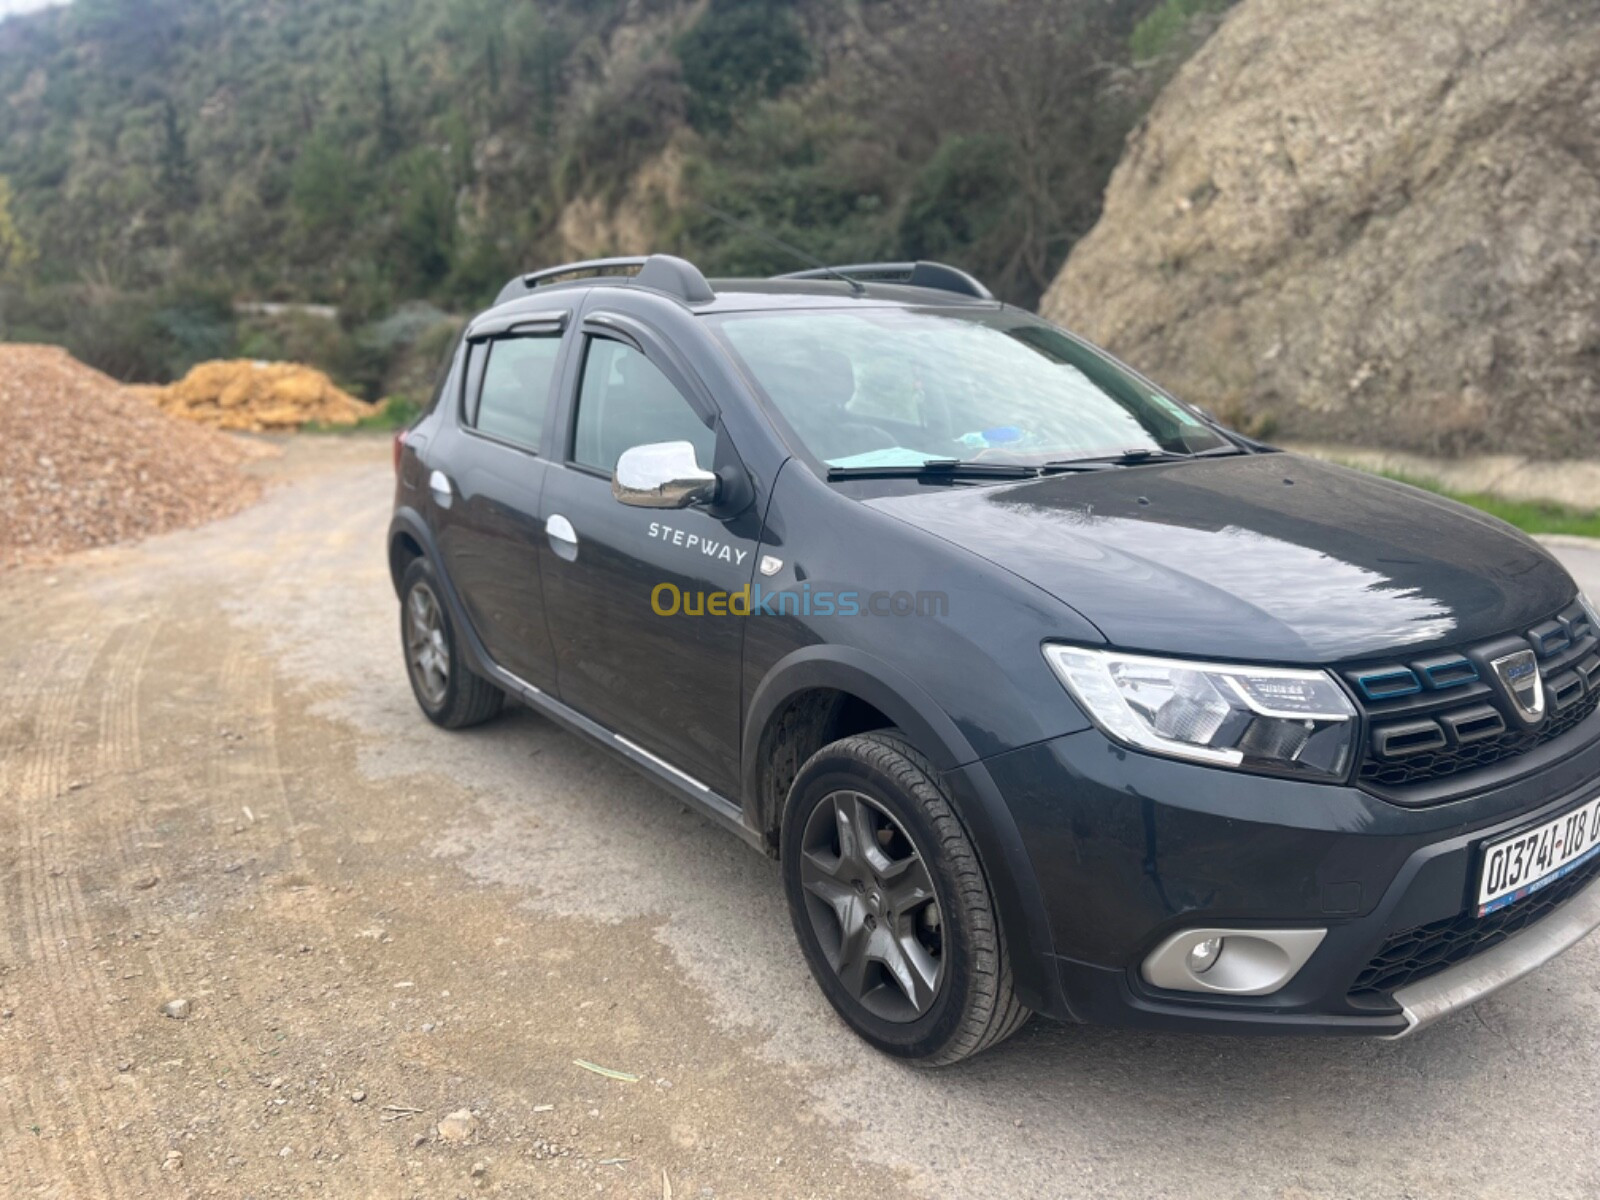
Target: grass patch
x=398 y=413
x=1530 y=516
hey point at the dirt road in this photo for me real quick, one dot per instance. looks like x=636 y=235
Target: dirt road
x=214 y=786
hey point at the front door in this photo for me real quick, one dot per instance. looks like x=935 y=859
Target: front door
x=620 y=582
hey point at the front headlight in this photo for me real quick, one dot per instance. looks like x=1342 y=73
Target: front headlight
x=1592 y=612
x=1262 y=718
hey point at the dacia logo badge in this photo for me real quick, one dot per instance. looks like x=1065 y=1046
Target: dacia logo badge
x=1519 y=675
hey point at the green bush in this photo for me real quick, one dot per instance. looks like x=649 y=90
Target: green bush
x=738 y=51
x=191 y=327
x=398 y=411
x=422 y=241
x=144 y=337
x=959 y=198
x=324 y=188
x=1164 y=28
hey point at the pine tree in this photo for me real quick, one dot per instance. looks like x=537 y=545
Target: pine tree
x=388 y=118
x=179 y=190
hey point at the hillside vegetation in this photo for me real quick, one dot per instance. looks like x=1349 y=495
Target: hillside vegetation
x=401 y=158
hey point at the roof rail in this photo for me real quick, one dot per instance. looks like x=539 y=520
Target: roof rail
x=662 y=272
x=913 y=274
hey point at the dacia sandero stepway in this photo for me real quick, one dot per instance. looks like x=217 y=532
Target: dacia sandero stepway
x=1048 y=692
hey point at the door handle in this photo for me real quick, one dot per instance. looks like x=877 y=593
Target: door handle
x=439 y=485
x=563 y=537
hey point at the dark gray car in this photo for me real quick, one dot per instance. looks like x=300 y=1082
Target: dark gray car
x=1049 y=693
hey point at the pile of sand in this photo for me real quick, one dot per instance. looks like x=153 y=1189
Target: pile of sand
x=258 y=396
x=87 y=462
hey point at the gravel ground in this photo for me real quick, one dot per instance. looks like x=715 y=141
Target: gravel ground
x=88 y=462
x=218 y=789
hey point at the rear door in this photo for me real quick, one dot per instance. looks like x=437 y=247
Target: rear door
x=668 y=683
x=487 y=502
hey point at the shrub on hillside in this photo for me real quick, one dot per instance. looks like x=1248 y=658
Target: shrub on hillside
x=740 y=50
x=1166 y=28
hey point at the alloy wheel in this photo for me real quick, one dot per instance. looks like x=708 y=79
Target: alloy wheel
x=872 y=906
x=427 y=652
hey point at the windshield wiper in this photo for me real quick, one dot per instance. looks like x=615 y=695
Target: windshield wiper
x=1132 y=458
x=940 y=468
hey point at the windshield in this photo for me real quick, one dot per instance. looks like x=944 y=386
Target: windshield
x=884 y=387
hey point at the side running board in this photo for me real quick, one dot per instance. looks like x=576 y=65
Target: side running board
x=681 y=784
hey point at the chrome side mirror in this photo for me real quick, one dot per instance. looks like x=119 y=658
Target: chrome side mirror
x=662 y=475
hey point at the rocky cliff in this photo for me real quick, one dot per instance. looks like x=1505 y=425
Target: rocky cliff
x=1369 y=221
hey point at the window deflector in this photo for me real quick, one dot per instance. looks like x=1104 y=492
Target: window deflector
x=496 y=324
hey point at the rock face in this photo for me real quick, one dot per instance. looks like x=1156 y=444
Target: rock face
x=1367 y=221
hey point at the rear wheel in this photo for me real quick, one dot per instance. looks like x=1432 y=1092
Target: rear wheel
x=891 y=906
x=448 y=693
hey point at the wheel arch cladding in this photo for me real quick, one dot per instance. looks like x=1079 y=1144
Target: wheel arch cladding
x=829 y=691
x=404 y=549
x=409 y=539
x=805 y=722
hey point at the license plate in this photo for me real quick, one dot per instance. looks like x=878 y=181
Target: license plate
x=1520 y=865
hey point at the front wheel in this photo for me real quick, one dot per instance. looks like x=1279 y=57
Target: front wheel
x=446 y=690
x=891 y=906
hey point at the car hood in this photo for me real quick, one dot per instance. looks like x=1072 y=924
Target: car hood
x=1267 y=557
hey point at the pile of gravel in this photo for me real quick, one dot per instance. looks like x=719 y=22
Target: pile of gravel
x=257 y=396
x=84 y=462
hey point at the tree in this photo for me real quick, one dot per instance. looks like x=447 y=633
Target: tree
x=1003 y=111
x=324 y=187
x=422 y=244
x=389 y=132
x=737 y=51
x=178 y=187
x=16 y=252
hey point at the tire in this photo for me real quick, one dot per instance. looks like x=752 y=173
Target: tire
x=448 y=692
x=844 y=905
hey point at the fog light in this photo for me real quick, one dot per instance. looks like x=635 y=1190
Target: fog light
x=1204 y=955
x=1256 y=962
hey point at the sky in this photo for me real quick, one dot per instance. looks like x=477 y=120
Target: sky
x=8 y=7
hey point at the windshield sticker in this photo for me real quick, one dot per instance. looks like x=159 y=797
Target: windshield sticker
x=985 y=439
x=1175 y=410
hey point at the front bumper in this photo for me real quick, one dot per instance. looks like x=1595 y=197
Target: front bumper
x=1129 y=849
x=1469 y=981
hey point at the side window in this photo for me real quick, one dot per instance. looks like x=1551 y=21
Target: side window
x=626 y=401
x=515 y=393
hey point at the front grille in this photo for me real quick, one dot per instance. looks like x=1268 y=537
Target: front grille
x=1436 y=764
x=1415 y=954
x=1443 y=714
